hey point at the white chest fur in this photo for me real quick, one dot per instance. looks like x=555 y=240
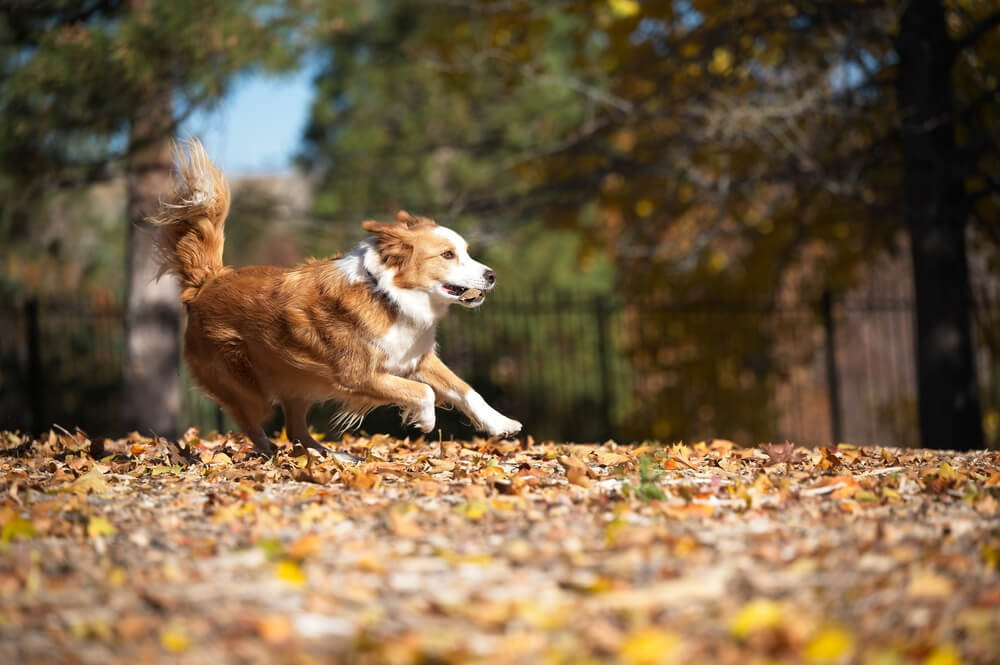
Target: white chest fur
x=404 y=344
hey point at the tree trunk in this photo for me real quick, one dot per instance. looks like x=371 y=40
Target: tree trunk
x=151 y=399
x=935 y=208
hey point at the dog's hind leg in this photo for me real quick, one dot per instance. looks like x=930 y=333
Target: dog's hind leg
x=239 y=394
x=296 y=427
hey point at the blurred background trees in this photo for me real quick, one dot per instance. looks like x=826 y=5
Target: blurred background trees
x=99 y=87
x=676 y=151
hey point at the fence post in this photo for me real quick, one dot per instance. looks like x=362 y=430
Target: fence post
x=36 y=393
x=832 y=377
x=601 y=311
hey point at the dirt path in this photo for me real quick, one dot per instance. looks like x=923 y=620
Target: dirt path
x=136 y=551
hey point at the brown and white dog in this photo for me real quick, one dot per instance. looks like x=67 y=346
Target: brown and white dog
x=358 y=329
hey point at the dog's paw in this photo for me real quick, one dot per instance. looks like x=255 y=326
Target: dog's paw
x=502 y=426
x=424 y=416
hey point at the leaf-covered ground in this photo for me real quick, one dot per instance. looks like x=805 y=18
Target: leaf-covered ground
x=136 y=551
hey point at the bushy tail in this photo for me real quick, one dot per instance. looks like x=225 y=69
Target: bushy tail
x=191 y=219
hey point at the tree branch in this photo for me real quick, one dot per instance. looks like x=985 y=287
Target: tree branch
x=976 y=33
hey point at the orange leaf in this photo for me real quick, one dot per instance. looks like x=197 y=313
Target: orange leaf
x=578 y=477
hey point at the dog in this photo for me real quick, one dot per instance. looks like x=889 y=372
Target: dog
x=358 y=328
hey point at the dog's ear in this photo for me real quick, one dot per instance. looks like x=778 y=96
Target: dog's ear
x=412 y=222
x=395 y=246
x=375 y=227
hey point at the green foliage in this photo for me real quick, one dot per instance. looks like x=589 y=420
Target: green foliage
x=648 y=490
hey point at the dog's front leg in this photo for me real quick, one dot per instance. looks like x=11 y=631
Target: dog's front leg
x=448 y=387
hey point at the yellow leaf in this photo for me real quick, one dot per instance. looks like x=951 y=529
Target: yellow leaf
x=830 y=646
x=624 y=8
x=473 y=510
x=290 y=573
x=17 y=529
x=92 y=482
x=948 y=472
x=650 y=647
x=100 y=526
x=722 y=61
x=758 y=614
x=160 y=470
x=174 y=638
x=943 y=655
x=644 y=207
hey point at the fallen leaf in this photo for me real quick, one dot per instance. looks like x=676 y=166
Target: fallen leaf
x=92 y=482
x=98 y=526
x=275 y=628
x=305 y=546
x=578 y=477
x=928 y=584
x=290 y=573
x=359 y=480
x=650 y=647
x=758 y=614
x=174 y=638
x=828 y=459
x=831 y=645
x=944 y=654
x=779 y=452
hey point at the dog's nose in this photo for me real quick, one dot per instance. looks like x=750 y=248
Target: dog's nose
x=490 y=277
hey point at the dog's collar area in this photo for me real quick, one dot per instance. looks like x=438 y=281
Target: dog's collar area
x=371 y=278
x=378 y=291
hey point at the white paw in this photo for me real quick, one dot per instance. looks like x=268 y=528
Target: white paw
x=501 y=425
x=425 y=413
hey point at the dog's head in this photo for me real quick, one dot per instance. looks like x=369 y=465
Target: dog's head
x=431 y=258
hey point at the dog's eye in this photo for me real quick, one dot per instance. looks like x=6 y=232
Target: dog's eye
x=448 y=255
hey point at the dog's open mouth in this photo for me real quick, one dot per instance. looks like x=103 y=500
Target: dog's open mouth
x=464 y=295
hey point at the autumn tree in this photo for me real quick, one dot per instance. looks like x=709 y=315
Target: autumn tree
x=97 y=88
x=711 y=149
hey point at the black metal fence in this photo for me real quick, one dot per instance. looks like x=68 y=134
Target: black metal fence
x=574 y=368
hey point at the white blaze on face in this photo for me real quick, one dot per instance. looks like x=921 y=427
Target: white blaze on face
x=467 y=271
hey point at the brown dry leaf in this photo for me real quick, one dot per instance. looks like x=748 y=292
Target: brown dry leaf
x=849 y=489
x=359 y=480
x=578 y=476
x=305 y=546
x=438 y=465
x=92 y=482
x=275 y=629
x=474 y=492
x=428 y=487
x=403 y=521
x=572 y=462
x=828 y=459
x=779 y=452
x=928 y=584
x=394 y=468
x=609 y=458
x=730 y=464
x=987 y=506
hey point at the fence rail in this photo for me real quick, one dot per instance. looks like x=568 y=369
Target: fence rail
x=573 y=368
